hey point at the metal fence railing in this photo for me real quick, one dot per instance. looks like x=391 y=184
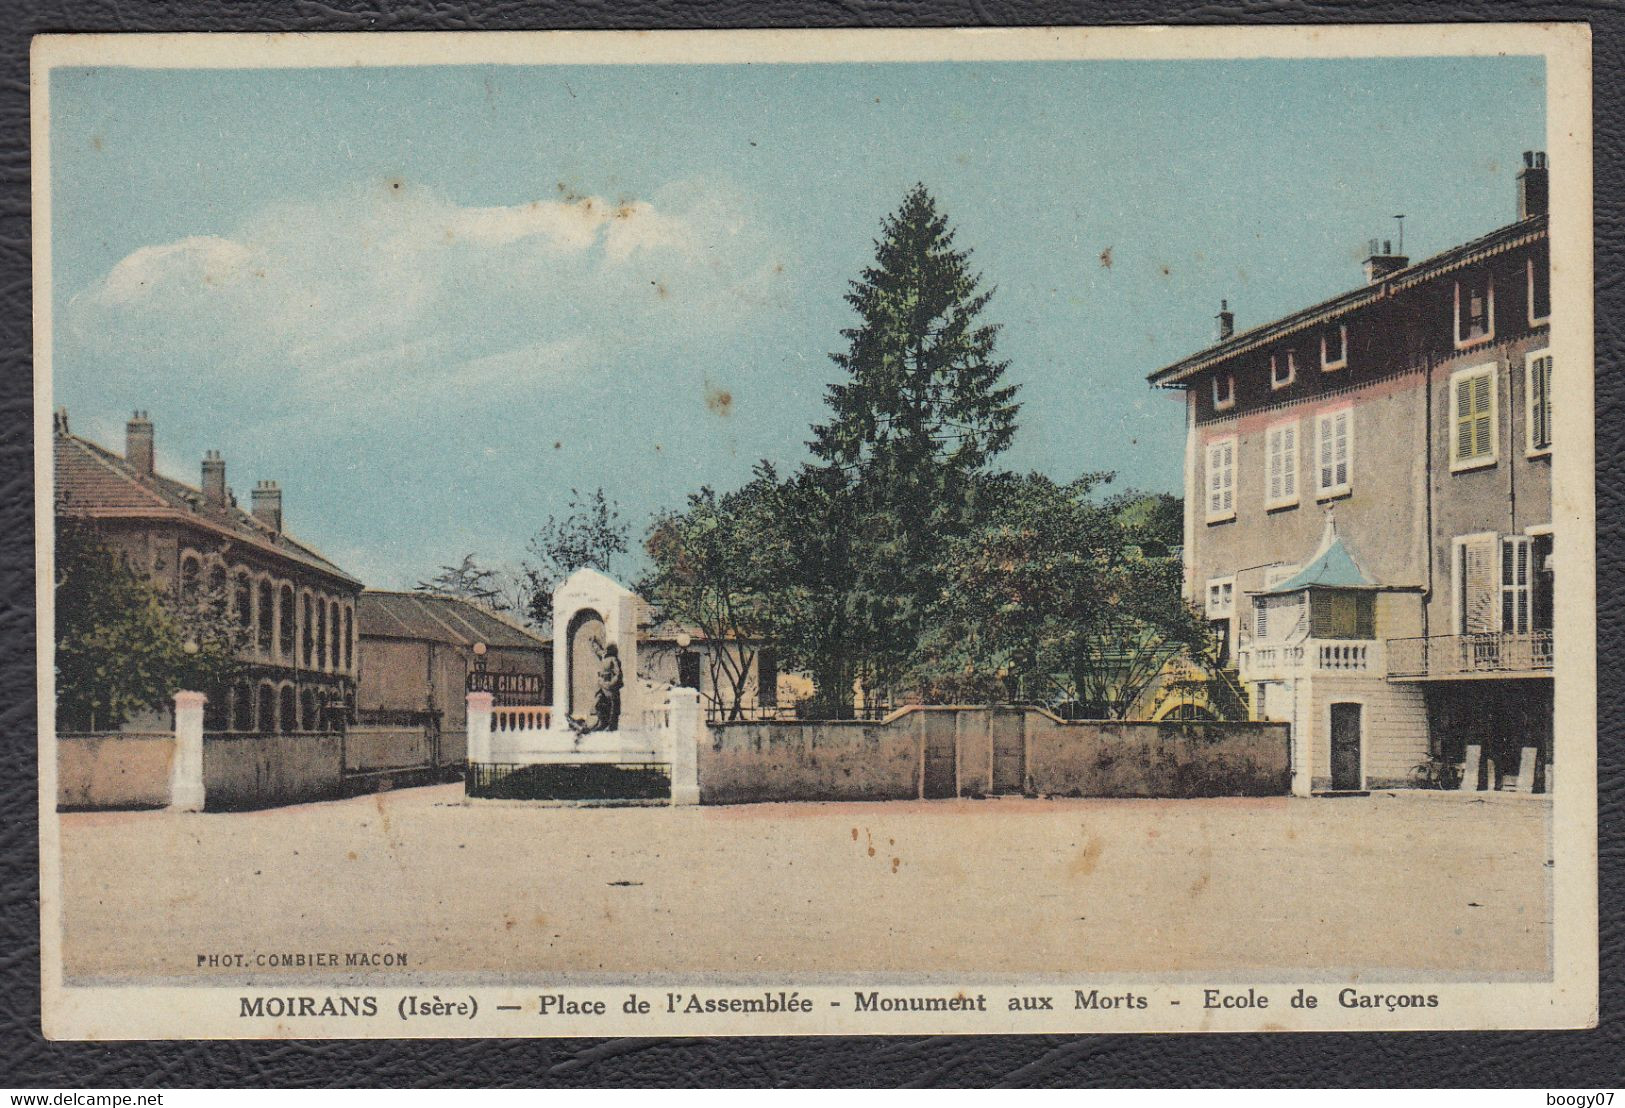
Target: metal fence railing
x=1460 y=655
x=581 y=781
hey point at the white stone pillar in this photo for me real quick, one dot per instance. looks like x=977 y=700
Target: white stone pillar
x=1526 y=769
x=186 y=769
x=683 y=731
x=479 y=726
x=1469 y=772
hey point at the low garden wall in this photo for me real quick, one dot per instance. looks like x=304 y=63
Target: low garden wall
x=795 y=760
x=263 y=771
x=926 y=752
x=113 y=770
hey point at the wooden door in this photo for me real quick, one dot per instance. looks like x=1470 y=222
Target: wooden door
x=941 y=754
x=1346 y=774
x=1009 y=752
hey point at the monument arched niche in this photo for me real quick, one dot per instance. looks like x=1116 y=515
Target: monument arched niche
x=586 y=639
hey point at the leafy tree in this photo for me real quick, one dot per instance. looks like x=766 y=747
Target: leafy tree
x=1053 y=598
x=921 y=411
x=716 y=568
x=591 y=536
x=121 y=644
x=468 y=580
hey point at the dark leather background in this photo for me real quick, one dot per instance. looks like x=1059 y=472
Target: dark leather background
x=1571 y=1060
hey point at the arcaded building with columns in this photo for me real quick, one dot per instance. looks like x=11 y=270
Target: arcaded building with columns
x=299 y=609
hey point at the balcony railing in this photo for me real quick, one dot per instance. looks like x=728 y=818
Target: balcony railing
x=1273 y=661
x=1470 y=655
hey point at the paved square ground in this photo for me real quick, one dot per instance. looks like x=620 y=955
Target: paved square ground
x=1387 y=882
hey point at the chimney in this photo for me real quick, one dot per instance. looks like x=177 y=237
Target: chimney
x=60 y=423
x=138 y=443
x=1226 y=320
x=214 y=480
x=1381 y=260
x=268 y=504
x=1532 y=191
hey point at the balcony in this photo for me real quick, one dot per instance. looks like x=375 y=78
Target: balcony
x=1282 y=661
x=1460 y=657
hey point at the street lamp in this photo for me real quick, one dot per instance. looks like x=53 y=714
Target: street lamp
x=479 y=656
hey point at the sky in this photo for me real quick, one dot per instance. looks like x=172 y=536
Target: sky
x=433 y=301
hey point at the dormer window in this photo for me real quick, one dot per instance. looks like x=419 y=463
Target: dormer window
x=1224 y=391
x=1283 y=369
x=1475 y=310
x=1334 y=348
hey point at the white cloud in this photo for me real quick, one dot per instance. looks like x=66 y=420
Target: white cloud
x=403 y=292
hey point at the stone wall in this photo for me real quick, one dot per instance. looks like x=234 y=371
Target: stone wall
x=263 y=771
x=978 y=751
x=122 y=770
x=842 y=760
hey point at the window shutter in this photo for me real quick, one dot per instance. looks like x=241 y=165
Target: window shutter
x=1464 y=418
x=1340 y=424
x=1479 y=585
x=1275 y=464
x=1324 y=435
x=1515 y=584
x=1481 y=415
x=1212 y=480
x=1289 y=462
x=1261 y=619
x=1540 y=403
x=1229 y=471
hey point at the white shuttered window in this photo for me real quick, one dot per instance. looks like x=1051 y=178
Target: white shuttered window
x=1472 y=417
x=1281 y=466
x=1334 y=453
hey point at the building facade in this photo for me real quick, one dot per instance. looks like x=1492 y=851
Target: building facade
x=1368 y=512
x=425 y=652
x=296 y=608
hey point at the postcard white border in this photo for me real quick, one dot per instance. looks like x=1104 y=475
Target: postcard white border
x=1569 y=1000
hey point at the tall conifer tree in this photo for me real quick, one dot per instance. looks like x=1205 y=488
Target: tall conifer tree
x=921 y=411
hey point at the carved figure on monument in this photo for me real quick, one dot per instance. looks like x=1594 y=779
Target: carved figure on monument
x=607 y=706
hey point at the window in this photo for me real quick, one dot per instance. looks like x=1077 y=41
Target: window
x=349 y=635
x=1540 y=290
x=1278 y=618
x=1224 y=391
x=309 y=639
x=191 y=577
x=321 y=633
x=287 y=623
x=1515 y=584
x=1283 y=369
x=1539 y=384
x=1221 y=480
x=1334 y=348
x=244 y=598
x=1334 y=453
x=1475 y=310
x=1281 y=443
x=265 y=718
x=1541 y=581
x=1472 y=411
x=267 y=624
x=1221 y=597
